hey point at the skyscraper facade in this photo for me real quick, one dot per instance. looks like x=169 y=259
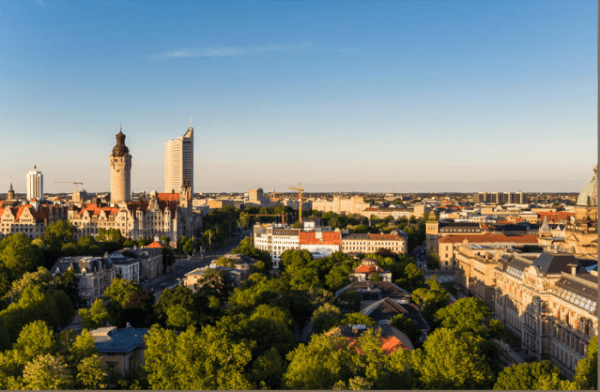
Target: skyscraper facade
x=35 y=184
x=179 y=162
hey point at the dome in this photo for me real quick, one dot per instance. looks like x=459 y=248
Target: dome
x=120 y=150
x=589 y=194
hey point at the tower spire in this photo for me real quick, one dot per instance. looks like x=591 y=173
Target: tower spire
x=120 y=127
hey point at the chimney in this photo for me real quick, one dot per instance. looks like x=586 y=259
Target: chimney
x=128 y=324
x=573 y=268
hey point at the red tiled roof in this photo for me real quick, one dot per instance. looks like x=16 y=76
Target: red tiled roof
x=524 y=239
x=155 y=244
x=555 y=217
x=168 y=196
x=389 y=344
x=366 y=269
x=329 y=238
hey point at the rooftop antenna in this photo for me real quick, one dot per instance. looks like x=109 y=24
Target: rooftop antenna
x=120 y=127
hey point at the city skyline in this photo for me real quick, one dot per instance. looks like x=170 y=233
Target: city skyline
x=420 y=97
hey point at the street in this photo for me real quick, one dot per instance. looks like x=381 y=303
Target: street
x=183 y=266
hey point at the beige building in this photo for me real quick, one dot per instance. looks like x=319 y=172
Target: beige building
x=120 y=348
x=341 y=205
x=179 y=162
x=435 y=230
x=396 y=213
x=448 y=245
x=164 y=214
x=550 y=302
x=120 y=172
x=28 y=219
x=371 y=243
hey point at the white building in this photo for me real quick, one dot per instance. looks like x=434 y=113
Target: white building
x=35 y=184
x=276 y=239
x=125 y=267
x=179 y=162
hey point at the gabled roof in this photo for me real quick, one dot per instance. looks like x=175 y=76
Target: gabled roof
x=368 y=269
x=155 y=244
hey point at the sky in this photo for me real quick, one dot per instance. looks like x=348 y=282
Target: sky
x=424 y=96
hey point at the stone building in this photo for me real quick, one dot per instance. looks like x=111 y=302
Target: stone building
x=368 y=266
x=341 y=205
x=151 y=260
x=550 y=302
x=434 y=230
x=127 y=268
x=164 y=214
x=581 y=231
x=120 y=348
x=95 y=275
x=28 y=220
x=120 y=172
x=371 y=243
x=448 y=245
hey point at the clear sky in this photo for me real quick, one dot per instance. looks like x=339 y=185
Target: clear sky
x=351 y=96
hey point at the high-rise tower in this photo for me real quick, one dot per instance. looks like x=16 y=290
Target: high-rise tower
x=120 y=171
x=179 y=162
x=35 y=184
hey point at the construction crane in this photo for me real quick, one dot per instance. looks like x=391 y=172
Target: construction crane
x=70 y=182
x=300 y=190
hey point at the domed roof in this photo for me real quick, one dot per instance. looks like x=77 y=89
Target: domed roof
x=120 y=150
x=589 y=194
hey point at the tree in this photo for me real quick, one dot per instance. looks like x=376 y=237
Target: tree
x=433 y=260
x=36 y=339
x=47 y=372
x=459 y=365
x=376 y=278
x=268 y=370
x=430 y=300
x=525 y=375
x=320 y=364
x=304 y=279
x=42 y=278
x=356 y=318
x=587 y=368
x=91 y=373
x=192 y=360
x=118 y=294
x=68 y=282
x=95 y=317
x=326 y=317
x=18 y=254
x=466 y=314
x=408 y=326
x=349 y=302
x=179 y=309
x=225 y=262
x=57 y=233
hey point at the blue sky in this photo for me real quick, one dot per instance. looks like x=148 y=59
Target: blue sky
x=352 y=96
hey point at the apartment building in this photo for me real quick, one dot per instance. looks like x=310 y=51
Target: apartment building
x=95 y=275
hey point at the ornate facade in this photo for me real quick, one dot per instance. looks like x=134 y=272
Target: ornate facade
x=29 y=219
x=164 y=214
x=550 y=302
x=581 y=231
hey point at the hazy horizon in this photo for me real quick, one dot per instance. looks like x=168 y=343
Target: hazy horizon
x=429 y=96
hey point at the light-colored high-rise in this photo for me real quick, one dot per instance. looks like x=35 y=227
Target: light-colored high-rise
x=35 y=184
x=179 y=162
